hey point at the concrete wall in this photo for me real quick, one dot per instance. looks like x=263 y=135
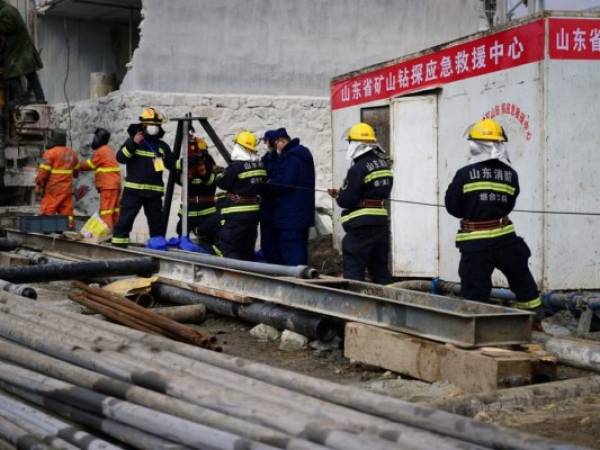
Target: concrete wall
x=305 y=117
x=283 y=47
x=93 y=47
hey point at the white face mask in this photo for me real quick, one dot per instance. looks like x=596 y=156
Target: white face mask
x=152 y=130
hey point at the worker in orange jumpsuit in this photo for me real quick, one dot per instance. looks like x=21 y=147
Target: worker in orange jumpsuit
x=54 y=179
x=108 y=176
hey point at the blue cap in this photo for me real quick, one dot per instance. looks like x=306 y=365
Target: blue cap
x=279 y=133
x=268 y=137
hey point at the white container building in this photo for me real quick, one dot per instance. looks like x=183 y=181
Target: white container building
x=540 y=78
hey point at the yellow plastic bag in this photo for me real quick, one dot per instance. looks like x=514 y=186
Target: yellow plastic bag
x=95 y=228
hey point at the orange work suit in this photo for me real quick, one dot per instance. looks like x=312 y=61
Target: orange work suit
x=108 y=182
x=55 y=179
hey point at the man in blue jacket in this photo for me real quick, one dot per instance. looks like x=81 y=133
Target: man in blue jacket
x=291 y=190
x=268 y=246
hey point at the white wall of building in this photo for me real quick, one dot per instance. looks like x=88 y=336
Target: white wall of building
x=305 y=117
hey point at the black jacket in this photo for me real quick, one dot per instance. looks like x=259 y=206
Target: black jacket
x=483 y=191
x=369 y=178
x=243 y=179
x=201 y=190
x=139 y=159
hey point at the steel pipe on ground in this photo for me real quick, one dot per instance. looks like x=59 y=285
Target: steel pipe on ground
x=161 y=424
x=20 y=437
x=17 y=411
x=423 y=418
x=310 y=325
x=418 y=439
x=275 y=270
x=79 y=270
x=90 y=379
x=571 y=351
x=122 y=433
x=7 y=245
x=48 y=437
x=18 y=289
x=5 y=445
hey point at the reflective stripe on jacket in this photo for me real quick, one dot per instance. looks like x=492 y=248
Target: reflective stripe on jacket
x=104 y=163
x=56 y=171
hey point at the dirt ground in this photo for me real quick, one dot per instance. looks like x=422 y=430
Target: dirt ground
x=575 y=421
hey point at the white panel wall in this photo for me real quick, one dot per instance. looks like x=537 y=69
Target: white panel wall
x=572 y=174
x=414 y=151
x=461 y=104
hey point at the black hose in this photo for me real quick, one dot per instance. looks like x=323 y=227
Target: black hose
x=7 y=245
x=308 y=324
x=79 y=270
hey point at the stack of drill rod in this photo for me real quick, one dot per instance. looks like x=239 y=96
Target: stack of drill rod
x=62 y=373
x=128 y=313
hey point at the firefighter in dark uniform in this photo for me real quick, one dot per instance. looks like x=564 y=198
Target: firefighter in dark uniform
x=145 y=156
x=202 y=212
x=239 y=209
x=482 y=194
x=367 y=186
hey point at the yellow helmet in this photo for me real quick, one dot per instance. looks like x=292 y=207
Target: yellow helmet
x=487 y=130
x=362 y=132
x=200 y=143
x=247 y=140
x=150 y=116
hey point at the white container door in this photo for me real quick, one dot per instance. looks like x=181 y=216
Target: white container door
x=414 y=154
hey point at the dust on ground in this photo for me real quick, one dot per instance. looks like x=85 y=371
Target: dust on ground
x=576 y=421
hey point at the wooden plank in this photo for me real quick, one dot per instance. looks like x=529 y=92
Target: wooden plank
x=476 y=370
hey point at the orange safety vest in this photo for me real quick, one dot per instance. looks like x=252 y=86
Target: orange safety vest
x=55 y=173
x=104 y=163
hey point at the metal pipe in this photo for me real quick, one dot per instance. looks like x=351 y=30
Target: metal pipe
x=122 y=433
x=161 y=424
x=576 y=300
x=7 y=245
x=184 y=178
x=115 y=302
x=393 y=409
x=15 y=410
x=397 y=410
x=554 y=300
x=184 y=313
x=171 y=180
x=310 y=325
x=79 y=270
x=438 y=286
x=236 y=264
x=405 y=435
x=66 y=371
x=48 y=437
x=571 y=351
x=36 y=257
x=20 y=437
x=18 y=289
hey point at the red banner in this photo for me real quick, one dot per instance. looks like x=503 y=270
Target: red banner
x=503 y=50
x=574 y=38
